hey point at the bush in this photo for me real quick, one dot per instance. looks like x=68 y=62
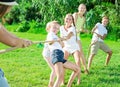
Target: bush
x=36 y=27
x=43 y=11
x=95 y=15
x=23 y=27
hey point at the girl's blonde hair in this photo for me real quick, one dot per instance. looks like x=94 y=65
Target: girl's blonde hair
x=69 y=14
x=105 y=17
x=81 y=5
x=85 y=7
x=48 y=25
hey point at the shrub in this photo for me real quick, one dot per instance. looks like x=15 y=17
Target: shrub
x=23 y=27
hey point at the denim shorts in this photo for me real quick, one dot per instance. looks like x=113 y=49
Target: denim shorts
x=57 y=56
x=3 y=81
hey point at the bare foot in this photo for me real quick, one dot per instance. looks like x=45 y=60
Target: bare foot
x=78 y=82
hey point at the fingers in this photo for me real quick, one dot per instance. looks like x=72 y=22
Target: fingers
x=24 y=43
x=27 y=43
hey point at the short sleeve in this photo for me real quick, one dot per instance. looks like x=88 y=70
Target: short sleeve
x=72 y=29
x=49 y=37
x=97 y=24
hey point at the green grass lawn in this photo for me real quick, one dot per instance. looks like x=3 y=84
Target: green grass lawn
x=25 y=67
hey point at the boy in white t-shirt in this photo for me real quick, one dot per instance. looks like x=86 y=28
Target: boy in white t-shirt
x=99 y=34
x=57 y=55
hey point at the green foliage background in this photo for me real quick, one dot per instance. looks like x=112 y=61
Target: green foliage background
x=32 y=15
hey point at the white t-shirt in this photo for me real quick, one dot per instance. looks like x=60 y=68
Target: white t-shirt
x=72 y=41
x=46 y=51
x=56 y=45
x=101 y=30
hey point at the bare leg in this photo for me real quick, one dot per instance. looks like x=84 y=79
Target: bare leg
x=53 y=74
x=77 y=60
x=82 y=57
x=58 y=69
x=90 y=60
x=109 y=54
x=66 y=55
x=76 y=71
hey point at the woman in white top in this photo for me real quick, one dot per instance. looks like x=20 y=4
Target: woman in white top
x=70 y=44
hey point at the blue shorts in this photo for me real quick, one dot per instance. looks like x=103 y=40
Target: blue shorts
x=3 y=81
x=57 y=56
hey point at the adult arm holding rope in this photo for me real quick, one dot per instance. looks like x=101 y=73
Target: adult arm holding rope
x=7 y=38
x=11 y=40
x=28 y=43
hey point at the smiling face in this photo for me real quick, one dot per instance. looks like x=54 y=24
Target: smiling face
x=69 y=20
x=54 y=28
x=82 y=8
x=105 y=21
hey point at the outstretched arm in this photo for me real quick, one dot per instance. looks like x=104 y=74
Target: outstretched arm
x=11 y=40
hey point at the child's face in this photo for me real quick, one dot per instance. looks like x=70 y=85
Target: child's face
x=105 y=22
x=54 y=28
x=68 y=20
x=82 y=8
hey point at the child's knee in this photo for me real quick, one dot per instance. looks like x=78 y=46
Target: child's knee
x=60 y=76
x=78 y=61
x=53 y=71
x=77 y=70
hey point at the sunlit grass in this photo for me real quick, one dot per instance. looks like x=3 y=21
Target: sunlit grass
x=25 y=67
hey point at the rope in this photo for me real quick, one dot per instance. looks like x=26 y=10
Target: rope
x=14 y=48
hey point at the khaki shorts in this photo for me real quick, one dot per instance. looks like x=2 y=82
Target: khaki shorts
x=99 y=45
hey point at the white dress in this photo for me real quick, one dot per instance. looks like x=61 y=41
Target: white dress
x=71 y=44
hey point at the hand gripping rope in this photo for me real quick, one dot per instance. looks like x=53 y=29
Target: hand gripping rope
x=35 y=42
